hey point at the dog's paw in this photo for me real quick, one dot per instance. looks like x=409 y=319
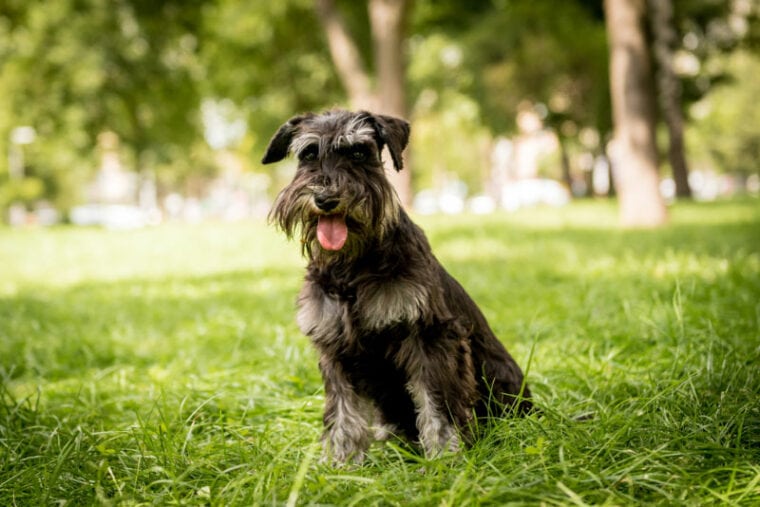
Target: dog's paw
x=347 y=460
x=383 y=432
x=445 y=442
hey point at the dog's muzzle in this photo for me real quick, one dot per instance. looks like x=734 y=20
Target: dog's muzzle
x=326 y=202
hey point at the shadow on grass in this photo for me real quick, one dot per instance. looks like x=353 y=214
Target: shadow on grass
x=133 y=388
x=215 y=319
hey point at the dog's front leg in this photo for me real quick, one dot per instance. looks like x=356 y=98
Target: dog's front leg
x=346 y=418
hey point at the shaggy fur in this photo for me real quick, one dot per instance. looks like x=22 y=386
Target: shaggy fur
x=403 y=349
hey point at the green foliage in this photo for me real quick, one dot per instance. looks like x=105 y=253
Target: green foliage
x=72 y=69
x=724 y=134
x=163 y=366
x=26 y=190
x=545 y=52
x=450 y=143
x=707 y=30
x=271 y=59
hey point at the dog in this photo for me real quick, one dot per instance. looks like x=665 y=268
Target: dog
x=403 y=350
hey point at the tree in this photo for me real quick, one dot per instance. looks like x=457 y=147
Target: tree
x=157 y=118
x=270 y=60
x=387 y=22
x=669 y=90
x=634 y=152
x=346 y=56
x=552 y=55
x=74 y=69
x=725 y=136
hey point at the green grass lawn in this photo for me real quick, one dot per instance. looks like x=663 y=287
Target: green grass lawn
x=163 y=366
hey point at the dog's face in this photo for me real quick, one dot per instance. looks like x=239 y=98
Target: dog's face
x=340 y=197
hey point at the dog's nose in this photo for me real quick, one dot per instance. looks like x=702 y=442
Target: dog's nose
x=326 y=202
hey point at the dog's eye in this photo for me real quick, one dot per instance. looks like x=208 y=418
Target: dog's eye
x=309 y=154
x=359 y=153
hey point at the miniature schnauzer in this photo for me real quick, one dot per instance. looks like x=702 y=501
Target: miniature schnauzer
x=403 y=349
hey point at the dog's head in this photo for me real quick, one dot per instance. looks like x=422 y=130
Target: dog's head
x=339 y=198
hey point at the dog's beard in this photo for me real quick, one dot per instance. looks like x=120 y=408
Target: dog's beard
x=295 y=213
x=366 y=217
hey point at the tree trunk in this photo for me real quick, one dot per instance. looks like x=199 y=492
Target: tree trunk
x=669 y=88
x=634 y=152
x=388 y=23
x=345 y=56
x=610 y=169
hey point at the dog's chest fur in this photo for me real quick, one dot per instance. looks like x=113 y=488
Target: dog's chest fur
x=330 y=310
x=368 y=307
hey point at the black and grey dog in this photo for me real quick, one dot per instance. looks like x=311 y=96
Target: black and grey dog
x=403 y=349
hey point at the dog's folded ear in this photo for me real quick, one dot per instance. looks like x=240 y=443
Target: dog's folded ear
x=280 y=142
x=393 y=132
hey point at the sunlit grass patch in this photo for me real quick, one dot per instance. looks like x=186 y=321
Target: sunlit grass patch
x=164 y=366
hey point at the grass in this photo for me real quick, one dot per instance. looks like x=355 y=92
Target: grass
x=163 y=366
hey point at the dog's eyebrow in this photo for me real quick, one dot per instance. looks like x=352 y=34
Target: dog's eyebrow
x=303 y=141
x=354 y=134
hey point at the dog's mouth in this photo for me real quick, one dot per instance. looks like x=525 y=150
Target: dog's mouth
x=332 y=231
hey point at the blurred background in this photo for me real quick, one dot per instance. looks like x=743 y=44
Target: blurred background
x=125 y=113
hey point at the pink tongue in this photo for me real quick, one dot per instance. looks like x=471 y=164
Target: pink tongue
x=332 y=232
